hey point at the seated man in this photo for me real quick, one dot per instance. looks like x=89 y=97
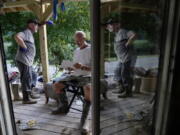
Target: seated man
x=82 y=60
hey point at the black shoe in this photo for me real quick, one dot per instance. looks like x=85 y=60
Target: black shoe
x=29 y=102
x=84 y=132
x=129 y=94
x=118 y=91
x=125 y=95
x=60 y=110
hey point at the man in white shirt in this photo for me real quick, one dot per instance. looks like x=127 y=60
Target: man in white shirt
x=81 y=60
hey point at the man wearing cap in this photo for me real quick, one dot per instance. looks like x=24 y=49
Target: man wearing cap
x=125 y=53
x=24 y=59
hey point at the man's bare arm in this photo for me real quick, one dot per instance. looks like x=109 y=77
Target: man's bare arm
x=86 y=68
x=131 y=39
x=82 y=67
x=20 y=41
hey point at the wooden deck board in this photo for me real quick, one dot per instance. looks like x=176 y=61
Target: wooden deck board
x=114 y=117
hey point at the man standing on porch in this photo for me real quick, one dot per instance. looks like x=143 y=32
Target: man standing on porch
x=24 y=59
x=126 y=55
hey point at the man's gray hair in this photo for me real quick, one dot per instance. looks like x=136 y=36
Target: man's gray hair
x=81 y=32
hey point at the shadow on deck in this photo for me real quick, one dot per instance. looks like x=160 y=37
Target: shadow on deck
x=118 y=117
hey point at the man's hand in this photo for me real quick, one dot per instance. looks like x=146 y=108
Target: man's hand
x=131 y=39
x=86 y=68
x=70 y=68
x=78 y=65
x=23 y=49
x=82 y=67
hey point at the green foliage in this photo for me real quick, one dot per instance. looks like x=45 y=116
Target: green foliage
x=143 y=46
x=13 y=23
x=60 y=35
x=145 y=25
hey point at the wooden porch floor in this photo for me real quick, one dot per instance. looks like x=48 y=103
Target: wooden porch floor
x=119 y=116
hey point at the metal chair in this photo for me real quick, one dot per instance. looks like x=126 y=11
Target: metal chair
x=73 y=87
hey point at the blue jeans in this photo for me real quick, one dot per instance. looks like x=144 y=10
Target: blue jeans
x=124 y=75
x=34 y=78
x=26 y=79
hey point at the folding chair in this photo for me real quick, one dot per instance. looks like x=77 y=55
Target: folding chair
x=75 y=86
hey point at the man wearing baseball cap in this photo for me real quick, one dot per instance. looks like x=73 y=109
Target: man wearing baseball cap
x=125 y=53
x=25 y=57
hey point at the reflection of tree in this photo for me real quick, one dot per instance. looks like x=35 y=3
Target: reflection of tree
x=146 y=25
x=144 y=2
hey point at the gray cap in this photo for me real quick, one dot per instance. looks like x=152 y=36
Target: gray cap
x=111 y=21
x=35 y=21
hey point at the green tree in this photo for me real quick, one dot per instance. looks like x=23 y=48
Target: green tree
x=146 y=25
x=60 y=35
x=11 y=24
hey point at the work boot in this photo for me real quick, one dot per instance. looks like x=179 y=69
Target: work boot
x=34 y=96
x=29 y=101
x=86 y=107
x=127 y=93
x=119 y=90
x=60 y=110
x=63 y=105
x=84 y=132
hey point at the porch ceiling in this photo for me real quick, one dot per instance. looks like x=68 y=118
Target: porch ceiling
x=7 y=6
x=109 y=6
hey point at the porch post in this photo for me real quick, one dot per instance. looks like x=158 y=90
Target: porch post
x=102 y=57
x=43 y=48
x=102 y=47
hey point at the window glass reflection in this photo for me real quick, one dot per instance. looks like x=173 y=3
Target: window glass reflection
x=130 y=57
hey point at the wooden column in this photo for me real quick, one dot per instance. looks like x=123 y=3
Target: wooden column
x=102 y=47
x=102 y=57
x=109 y=36
x=44 y=48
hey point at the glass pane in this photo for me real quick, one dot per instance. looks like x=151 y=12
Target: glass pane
x=53 y=113
x=130 y=35
x=7 y=124
x=1 y=118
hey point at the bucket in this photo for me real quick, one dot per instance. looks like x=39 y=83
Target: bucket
x=148 y=84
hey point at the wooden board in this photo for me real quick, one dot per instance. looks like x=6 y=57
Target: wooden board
x=114 y=117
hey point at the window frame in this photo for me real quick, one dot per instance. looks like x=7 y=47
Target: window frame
x=160 y=119
x=7 y=120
